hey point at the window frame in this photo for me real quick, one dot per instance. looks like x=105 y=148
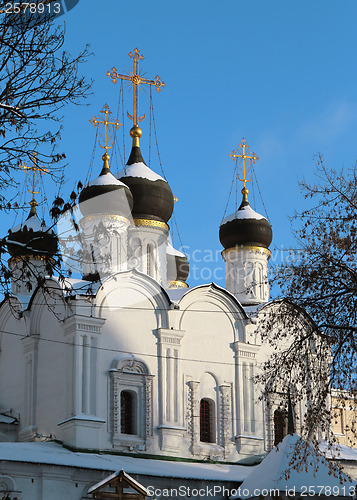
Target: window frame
x=210 y=421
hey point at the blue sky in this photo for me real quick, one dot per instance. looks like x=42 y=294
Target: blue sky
x=280 y=73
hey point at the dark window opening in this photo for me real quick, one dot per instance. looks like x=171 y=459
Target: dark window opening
x=280 y=426
x=207 y=428
x=127 y=412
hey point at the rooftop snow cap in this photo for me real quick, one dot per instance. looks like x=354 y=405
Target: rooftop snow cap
x=245 y=227
x=106 y=195
x=153 y=198
x=32 y=238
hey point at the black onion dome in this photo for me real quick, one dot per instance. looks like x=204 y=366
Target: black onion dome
x=32 y=238
x=177 y=265
x=245 y=227
x=153 y=198
x=106 y=195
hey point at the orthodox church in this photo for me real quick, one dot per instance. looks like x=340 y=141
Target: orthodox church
x=128 y=368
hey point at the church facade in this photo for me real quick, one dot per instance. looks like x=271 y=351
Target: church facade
x=128 y=362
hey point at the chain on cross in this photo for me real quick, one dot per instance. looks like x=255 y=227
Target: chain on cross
x=244 y=155
x=116 y=124
x=35 y=168
x=136 y=80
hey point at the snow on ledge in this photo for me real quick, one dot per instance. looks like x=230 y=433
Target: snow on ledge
x=84 y=418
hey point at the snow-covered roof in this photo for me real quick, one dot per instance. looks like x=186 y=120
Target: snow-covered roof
x=338 y=451
x=107 y=179
x=140 y=170
x=77 y=286
x=55 y=454
x=128 y=479
x=271 y=474
x=245 y=212
x=172 y=251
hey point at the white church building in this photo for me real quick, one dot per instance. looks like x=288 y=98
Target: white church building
x=128 y=368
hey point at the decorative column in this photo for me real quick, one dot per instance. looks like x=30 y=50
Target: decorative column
x=148 y=409
x=249 y=437
x=81 y=428
x=225 y=392
x=195 y=416
x=171 y=392
x=29 y=430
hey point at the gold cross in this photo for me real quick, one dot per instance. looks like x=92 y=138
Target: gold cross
x=253 y=158
x=116 y=124
x=135 y=79
x=35 y=168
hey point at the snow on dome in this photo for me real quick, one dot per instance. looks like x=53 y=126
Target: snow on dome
x=33 y=223
x=140 y=170
x=107 y=179
x=172 y=251
x=245 y=212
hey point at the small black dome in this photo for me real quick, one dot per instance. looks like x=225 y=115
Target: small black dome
x=106 y=195
x=32 y=238
x=245 y=227
x=177 y=265
x=153 y=198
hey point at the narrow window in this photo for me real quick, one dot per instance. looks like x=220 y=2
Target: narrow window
x=128 y=412
x=150 y=260
x=279 y=426
x=207 y=427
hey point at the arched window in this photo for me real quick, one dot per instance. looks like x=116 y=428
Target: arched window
x=280 y=426
x=150 y=260
x=207 y=421
x=128 y=412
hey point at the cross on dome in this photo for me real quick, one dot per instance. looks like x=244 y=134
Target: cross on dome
x=116 y=124
x=35 y=168
x=136 y=80
x=244 y=155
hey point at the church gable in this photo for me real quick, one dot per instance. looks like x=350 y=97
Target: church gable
x=130 y=291
x=210 y=307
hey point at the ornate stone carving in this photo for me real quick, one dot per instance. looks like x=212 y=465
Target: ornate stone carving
x=194 y=417
x=115 y=407
x=132 y=374
x=148 y=406
x=131 y=365
x=226 y=416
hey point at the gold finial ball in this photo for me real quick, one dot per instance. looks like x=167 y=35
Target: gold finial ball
x=245 y=191
x=105 y=157
x=136 y=132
